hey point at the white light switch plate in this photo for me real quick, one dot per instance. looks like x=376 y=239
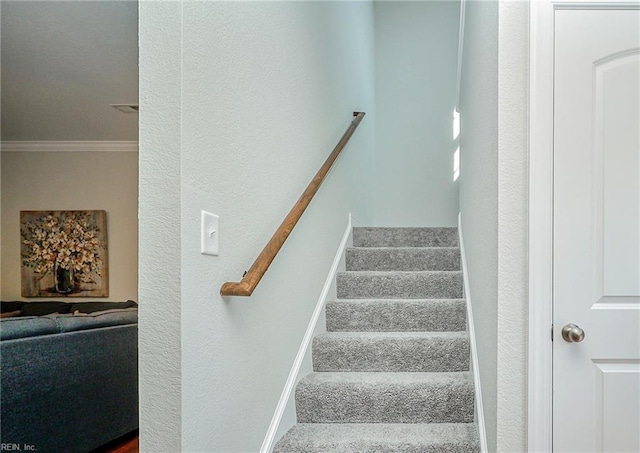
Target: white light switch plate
x=209 y=233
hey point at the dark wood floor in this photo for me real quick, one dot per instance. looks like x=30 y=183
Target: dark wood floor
x=126 y=444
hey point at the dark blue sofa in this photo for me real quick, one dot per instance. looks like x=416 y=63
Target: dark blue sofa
x=69 y=381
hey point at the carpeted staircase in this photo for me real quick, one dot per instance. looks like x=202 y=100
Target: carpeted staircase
x=392 y=372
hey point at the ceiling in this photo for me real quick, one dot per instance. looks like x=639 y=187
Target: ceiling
x=63 y=63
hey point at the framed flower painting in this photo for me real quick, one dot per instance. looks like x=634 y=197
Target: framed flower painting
x=64 y=253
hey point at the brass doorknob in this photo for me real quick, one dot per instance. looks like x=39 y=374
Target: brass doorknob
x=572 y=333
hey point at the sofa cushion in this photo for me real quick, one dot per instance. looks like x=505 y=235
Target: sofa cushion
x=83 y=321
x=12 y=328
x=44 y=308
x=91 y=307
x=70 y=392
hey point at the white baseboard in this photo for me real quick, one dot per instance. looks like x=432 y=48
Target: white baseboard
x=290 y=384
x=482 y=432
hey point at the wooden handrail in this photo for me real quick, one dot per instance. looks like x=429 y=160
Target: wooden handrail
x=253 y=276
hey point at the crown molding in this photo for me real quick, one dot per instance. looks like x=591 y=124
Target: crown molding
x=108 y=146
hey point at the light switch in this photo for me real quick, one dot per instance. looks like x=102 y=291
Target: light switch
x=209 y=233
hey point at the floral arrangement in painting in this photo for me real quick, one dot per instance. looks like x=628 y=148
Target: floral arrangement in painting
x=69 y=247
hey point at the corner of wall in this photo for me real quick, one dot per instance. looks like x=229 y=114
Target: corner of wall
x=160 y=292
x=513 y=62
x=479 y=190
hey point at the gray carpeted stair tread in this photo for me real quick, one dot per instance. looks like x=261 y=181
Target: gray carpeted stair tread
x=399 y=285
x=370 y=397
x=389 y=315
x=392 y=372
x=380 y=438
x=391 y=351
x=405 y=237
x=403 y=259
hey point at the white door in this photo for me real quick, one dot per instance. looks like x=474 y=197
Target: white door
x=596 y=382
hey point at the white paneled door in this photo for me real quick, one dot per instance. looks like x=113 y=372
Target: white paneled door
x=596 y=368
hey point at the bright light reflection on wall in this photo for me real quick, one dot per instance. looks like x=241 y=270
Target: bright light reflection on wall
x=456 y=154
x=456 y=124
x=456 y=164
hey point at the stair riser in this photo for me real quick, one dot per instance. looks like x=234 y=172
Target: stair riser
x=409 y=285
x=398 y=316
x=405 y=237
x=361 y=403
x=391 y=354
x=406 y=259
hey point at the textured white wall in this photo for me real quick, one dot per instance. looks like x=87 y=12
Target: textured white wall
x=267 y=91
x=479 y=189
x=274 y=66
x=416 y=60
x=513 y=196
x=42 y=181
x=159 y=237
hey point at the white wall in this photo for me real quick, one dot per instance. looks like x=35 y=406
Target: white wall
x=250 y=74
x=267 y=91
x=43 y=181
x=416 y=60
x=159 y=255
x=479 y=189
x=513 y=196
x=494 y=206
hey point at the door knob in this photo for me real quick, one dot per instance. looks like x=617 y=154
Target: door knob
x=572 y=333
